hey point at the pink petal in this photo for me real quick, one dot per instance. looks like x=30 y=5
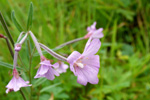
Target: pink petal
x=92 y=61
x=87 y=74
x=93 y=26
x=74 y=56
x=7 y=90
x=10 y=84
x=91 y=47
x=72 y=69
x=46 y=62
x=50 y=74
x=98 y=33
x=81 y=78
x=22 y=83
x=88 y=29
x=56 y=65
x=91 y=74
x=62 y=67
x=90 y=70
x=42 y=70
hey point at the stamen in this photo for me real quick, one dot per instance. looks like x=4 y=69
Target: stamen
x=81 y=65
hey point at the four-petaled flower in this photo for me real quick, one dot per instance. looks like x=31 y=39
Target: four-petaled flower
x=93 y=32
x=46 y=70
x=16 y=83
x=86 y=65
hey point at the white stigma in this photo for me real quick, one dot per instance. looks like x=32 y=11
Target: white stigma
x=80 y=65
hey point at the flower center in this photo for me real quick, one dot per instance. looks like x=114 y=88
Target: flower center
x=79 y=64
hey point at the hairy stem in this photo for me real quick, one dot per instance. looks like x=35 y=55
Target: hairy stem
x=23 y=39
x=51 y=52
x=15 y=59
x=36 y=43
x=20 y=35
x=69 y=42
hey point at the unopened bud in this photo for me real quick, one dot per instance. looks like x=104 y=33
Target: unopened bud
x=17 y=47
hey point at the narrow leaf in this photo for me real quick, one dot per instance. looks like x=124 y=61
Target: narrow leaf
x=39 y=82
x=8 y=65
x=30 y=16
x=49 y=87
x=14 y=20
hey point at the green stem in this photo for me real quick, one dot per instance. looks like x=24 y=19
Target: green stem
x=12 y=42
x=6 y=29
x=9 y=47
x=51 y=52
x=69 y=42
x=30 y=61
x=21 y=92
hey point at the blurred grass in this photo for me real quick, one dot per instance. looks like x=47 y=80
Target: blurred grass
x=125 y=50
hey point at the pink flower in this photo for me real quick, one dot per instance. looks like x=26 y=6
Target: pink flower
x=60 y=67
x=93 y=32
x=46 y=70
x=86 y=65
x=16 y=83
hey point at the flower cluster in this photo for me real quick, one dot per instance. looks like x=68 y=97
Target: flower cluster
x=85 y=66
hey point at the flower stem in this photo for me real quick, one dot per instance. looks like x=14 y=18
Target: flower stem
x=6 y=29
x=30 y=61
x=23 y=39
x=8 y=45
x=69 y=42
x=21 y=92
x=15 y=59
x=51 y=52
x=20 y=36
x=36 y=43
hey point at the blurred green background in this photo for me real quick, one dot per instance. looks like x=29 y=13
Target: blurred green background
x=125 y=52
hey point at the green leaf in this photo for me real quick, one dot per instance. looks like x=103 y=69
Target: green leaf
x=49 y=87
x=63 y=96
x=39 y=82
x=14 y=20
x=8 y=65
x=30 y=16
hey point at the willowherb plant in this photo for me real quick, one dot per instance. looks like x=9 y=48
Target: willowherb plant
x=85 y=66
